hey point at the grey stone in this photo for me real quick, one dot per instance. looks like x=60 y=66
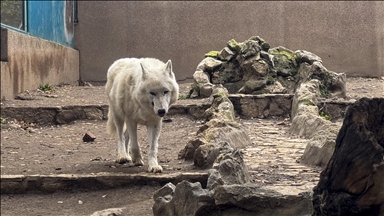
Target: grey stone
x=221 y=106
x=261 y=201
x=187 y=199
x=93 y=113
x=208 y=64
x=166 y=190
x=305 y=56
x=306 y=95
x=11 y=126
x=216 y=131
x=338 y=85
x=231 y=166
x=226 y=54
x=109 y=212
x=189 y=150
x=267 y=57
x=206 y=90
x=321 y=146
x=276 y=88
x=194 y=94
x=201 y=77
x=70 y=114
x=254 y=68
x=252 y=85
x=205 y=155
x=250 y=48
x=255 y=106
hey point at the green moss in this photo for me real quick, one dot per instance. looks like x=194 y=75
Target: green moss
x=2 y=120
x=184 y=96
x=325 y=84
x=288 y=54
x=324 y=91
x=221 y=94
x=307 y=102
x=324 y=115
x=213 y=54
x=45 y=87
x=233 y=45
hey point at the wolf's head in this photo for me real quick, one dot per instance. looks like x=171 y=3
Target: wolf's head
x=159 y=88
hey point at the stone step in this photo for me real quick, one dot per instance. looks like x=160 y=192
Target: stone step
x=16 y=184
x=248 y=106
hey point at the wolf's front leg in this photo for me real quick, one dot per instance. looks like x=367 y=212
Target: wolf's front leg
x=153 y=135
x=122 y=151
x=133 y=144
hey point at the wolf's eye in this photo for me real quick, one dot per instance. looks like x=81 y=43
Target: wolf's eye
x=153 y=93
x=165 y=92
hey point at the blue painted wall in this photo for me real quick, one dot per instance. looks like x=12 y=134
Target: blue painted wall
x=51 y=20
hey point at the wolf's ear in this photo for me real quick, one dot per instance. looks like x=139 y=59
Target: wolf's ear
x=144 y=71
x=168 y=67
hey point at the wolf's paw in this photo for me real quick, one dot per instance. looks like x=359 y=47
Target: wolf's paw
x=123 y=160
x=155 y=169
x=138 y=162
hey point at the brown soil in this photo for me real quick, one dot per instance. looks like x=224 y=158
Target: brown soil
x=29 y=149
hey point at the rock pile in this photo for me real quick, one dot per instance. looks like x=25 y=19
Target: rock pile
x=252 y=67
x=228 y=192
x=220 y=127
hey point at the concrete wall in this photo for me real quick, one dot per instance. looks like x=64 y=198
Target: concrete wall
x=348 y=36
x=27 y=62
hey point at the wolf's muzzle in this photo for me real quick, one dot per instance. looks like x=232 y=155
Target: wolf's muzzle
x=161 y=112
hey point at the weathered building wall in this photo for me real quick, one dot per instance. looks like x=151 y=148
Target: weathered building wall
x=348 y=36
x=27 y=62
x=51 y=20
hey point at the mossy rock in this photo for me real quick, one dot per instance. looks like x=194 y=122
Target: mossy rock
x=234 y=45
x=284 y=61
x=213 y=54
x=283 y=51
x=263 y=44
x=307 y=102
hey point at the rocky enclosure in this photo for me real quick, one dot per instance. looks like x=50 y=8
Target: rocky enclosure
x=252 y=67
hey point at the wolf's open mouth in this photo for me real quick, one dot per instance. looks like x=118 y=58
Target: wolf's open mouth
x=161 y=115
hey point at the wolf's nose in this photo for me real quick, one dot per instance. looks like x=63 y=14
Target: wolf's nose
x=161 y=111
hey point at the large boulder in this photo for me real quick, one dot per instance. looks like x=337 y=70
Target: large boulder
x=229 y=168
x=352 y=182
x=185 y=198
x=251 y=199
x=321 y=145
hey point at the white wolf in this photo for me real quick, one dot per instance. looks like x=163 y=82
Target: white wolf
x=140 y=91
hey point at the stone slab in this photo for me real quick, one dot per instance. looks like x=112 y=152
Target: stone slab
x=16 y=184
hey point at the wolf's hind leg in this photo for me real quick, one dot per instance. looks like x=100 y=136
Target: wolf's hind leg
x=122 y=153
x=153 y=136
x=133 y=144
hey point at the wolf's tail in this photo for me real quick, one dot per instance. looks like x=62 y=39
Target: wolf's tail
x=111 y=127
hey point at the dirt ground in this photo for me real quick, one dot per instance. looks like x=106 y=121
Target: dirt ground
x=56 y=149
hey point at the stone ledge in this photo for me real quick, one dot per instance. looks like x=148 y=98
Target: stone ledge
x=16 y=184
x=262 y=106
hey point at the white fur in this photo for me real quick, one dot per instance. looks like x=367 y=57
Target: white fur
x=140 y=91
